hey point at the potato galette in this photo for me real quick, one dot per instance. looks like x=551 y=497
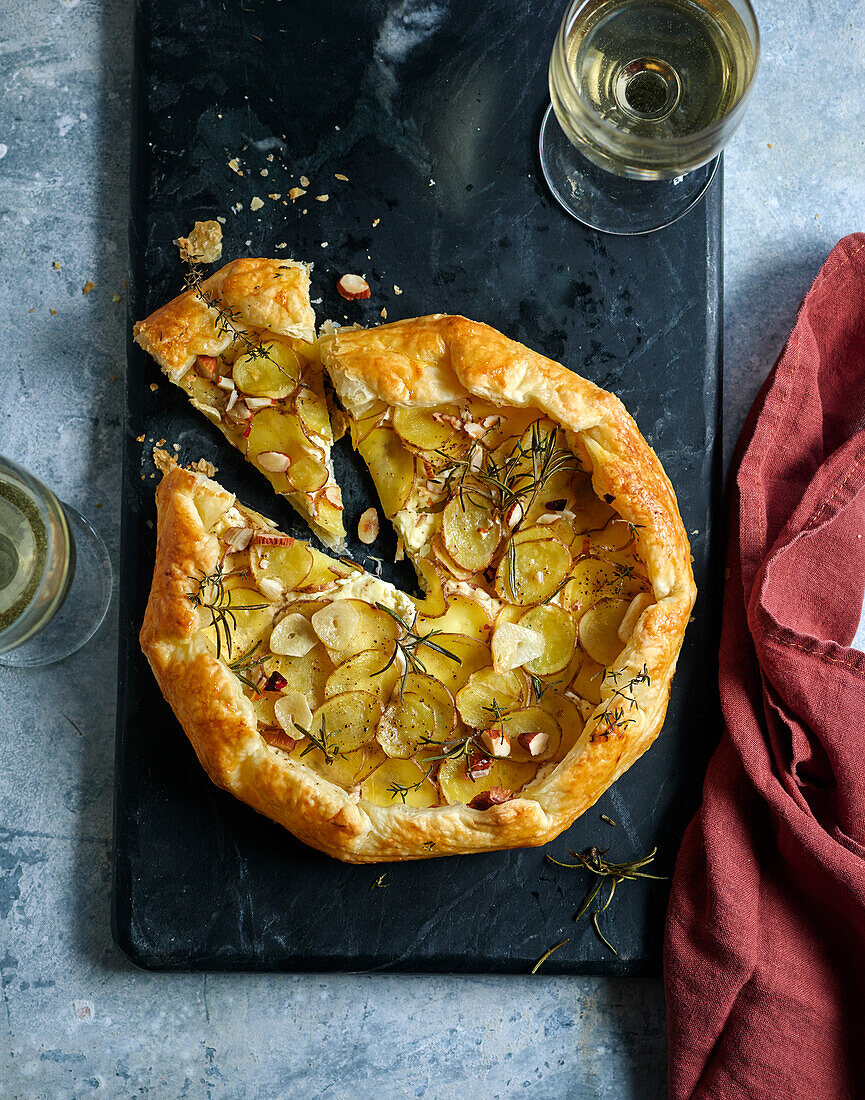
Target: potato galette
x=241 y=345
x=495 y=710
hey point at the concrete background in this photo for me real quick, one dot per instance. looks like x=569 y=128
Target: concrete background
x=76 y=1018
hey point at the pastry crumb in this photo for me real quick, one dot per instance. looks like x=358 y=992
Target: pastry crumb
x=153 y=387
x=384 y=312
x=275 y=195
x=322 y=198
x=115 y=297
x=296 y=192
x=203 y=245
x=264 y=172
x=139 y=438
x=255 y=203
x=396 y=289
x=56 y=265
x=282 y=244
x=304 y=181
x=340 y=176
x=53 y=312
x=202 y=466
x=234 y=165
x=375 y=223
x=88 y=286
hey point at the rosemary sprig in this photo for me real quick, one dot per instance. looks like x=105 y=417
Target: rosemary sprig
x=592 y=859
x=245 y=663
x=227 y=320
x=402 y=790
x=211 y=595
x=461 y=746
x=409 y=644
x=330 y=752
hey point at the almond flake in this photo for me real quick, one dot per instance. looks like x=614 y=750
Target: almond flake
x=367 y=527
x=275 y=462
x=353 y=287
x=237 y=538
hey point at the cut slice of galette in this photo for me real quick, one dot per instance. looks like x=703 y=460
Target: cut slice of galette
x=241 y=344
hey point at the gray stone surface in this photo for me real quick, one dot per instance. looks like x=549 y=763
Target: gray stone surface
x=76 y=1018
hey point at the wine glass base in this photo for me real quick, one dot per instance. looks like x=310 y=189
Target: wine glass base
x=83 y=608
x=611 y=203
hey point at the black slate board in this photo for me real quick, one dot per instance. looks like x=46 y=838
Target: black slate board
x=432 y=110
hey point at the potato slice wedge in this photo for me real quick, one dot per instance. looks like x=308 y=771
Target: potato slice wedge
x=290 y=565
x=450 y=569
x=365 y=671
x=456 y=786
x=400 y=783
x=421 y=430
x=310 y=407
x=346 y=770
x=599 y=630
x=345 y=722
x=587 y=683
x=463 y=616
x=433 y=603
x=275 y=374
x=237 y=619
x=470 y=532
x=274 y=429
x=423 y=713
x=591 y=579
x=308 y=674
x=532 y=567
x=471 y=655
x=392 y=468
x=530 y=720
x=558 y=630
x=485 y=690
x=361 y=426
x=617 y=535
x=592 y=512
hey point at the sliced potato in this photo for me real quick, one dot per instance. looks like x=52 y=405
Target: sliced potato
x=463 y=616
x=470 y=532
x=587 y=683
x=392 y=468
x=421 y=430
x=558 y=630
x=324 y=571
x=273 y=429
x=362 y=425
x=345 y=722
x=365 y=671
x=345 y=770
x=599 y=630
x=617 y=535
x=356 y=626
x=450 y=568
x=530 y=720
x=275 y=376
x=240 y=618
x=423 y=713
x=591 y=579
x=486 y=690
x=433 y=603
x=310 y=406
x=457 y=787
x=307 y=675
x=400 y=783
x=290 y=565
x=471 y=655
x=570 y=720
x=532 y=567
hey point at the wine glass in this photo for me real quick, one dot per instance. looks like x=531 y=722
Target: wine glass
x=645 y=95
x=55 y=573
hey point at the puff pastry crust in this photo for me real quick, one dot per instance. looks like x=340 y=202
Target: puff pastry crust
x=424 y=362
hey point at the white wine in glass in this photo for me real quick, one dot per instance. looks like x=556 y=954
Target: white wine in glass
x=645 y=94
x=55 y=573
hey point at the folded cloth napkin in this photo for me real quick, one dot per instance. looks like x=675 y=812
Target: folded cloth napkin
x=765 y=943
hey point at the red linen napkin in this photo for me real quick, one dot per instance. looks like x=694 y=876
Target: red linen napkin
x=765 y=945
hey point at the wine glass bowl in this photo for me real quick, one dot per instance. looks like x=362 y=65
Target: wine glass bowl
x=55 y=573
x=647 y=91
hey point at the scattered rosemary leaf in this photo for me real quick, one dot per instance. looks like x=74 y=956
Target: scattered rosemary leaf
x=608 y=820
x=379 y=883
x=547 y=954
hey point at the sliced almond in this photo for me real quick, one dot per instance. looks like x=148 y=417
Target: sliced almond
x=513 y=645
x=514 y=514
x=272 y=538
x=275 y=462
x=333 y=495
x=293 y=636
x=225 y=383
x=238 y=410
x=238 y=538
x=497 y=741
x=479 y=767
x=367 y=527
x=353 y=287
x=335 y=624
x=257 y=403
x=495 y=796
x=271 y=588
x=232 y=401
x=534 y=743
